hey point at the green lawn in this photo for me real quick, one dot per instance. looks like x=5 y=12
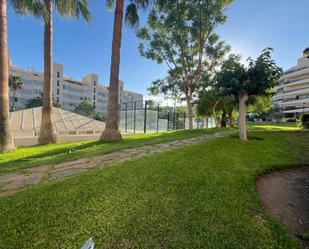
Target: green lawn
x=201 y=196
x=51 y=154
x=290 y=126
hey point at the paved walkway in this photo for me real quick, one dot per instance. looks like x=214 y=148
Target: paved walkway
x=15 y=182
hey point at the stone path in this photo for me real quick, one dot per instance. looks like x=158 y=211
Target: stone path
x=14 y=182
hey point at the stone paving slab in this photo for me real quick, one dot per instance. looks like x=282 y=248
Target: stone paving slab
x=15 y=182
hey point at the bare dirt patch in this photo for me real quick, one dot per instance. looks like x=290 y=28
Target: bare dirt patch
x=285 y=195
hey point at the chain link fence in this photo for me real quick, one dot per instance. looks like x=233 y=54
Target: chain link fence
x=145 y=117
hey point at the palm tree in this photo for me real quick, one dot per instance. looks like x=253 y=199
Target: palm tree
x=73 y=8
x=15 y=83
x=111 y=132
x=6 y=139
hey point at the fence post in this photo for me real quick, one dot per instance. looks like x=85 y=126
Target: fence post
x=145 y=117
x=168 y=120
x=126 y=118
x=134 y=118
x=158 y=110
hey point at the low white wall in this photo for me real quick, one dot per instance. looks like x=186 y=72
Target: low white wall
x=29 y=141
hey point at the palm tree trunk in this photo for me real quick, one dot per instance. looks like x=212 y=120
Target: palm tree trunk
x=243 y=98
x=223 y=119
x=6 y=139
x=47 y=130
x=190 y=113
x=111 y=132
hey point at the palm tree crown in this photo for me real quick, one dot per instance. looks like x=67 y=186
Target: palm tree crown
x=15 y=82
x=37 y=8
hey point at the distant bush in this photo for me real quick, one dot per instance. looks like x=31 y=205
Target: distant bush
x=304 y=120
x=99 y=117
x=291 y=120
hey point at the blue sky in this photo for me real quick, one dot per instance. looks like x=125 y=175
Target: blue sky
x=85 y=48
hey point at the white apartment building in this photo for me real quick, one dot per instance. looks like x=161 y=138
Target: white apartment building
x=292 y=95
x=67 y=91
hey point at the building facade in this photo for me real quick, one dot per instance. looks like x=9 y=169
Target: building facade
x=292 y=95
x=66 y=91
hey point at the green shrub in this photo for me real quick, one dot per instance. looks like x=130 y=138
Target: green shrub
x=304 y=120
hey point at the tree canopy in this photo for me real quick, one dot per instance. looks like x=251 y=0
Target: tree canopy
x=181 y=34
x=258 y=78
x=86 y=109
x=243 y=82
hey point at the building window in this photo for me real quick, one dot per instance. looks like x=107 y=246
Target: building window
x=15 y=99
x=58 y=91
x=94 y=83
x=94 y=104
x=57 y=99
x=94 y=90
x=58 y=82
x=93 y=97
x=58 y=75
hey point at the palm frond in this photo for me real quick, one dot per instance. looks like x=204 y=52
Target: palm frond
x=73 y=8
x=142 y=4
x=131 y=16
x=35 y=8
x=109 y=4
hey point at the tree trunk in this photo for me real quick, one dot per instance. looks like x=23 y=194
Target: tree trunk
x=111 y=132
x=6 y=139
x=223 y=119
x=231 y=117
x=190 y=113
x=243 y=98
x=47 y=130
x=214 y=113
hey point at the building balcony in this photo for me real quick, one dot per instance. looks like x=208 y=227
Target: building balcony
x=296 y=72
x=293 y=94
x=296 y=83
x=297 y=110
x=297 y=102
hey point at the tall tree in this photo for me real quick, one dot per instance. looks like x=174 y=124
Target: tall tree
x=210 y=103
x=73 y=8
x=6 y=139
x=15 y=83
x=111 y=132
x=181 y=34
x=44 y=9
x=257 y=79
